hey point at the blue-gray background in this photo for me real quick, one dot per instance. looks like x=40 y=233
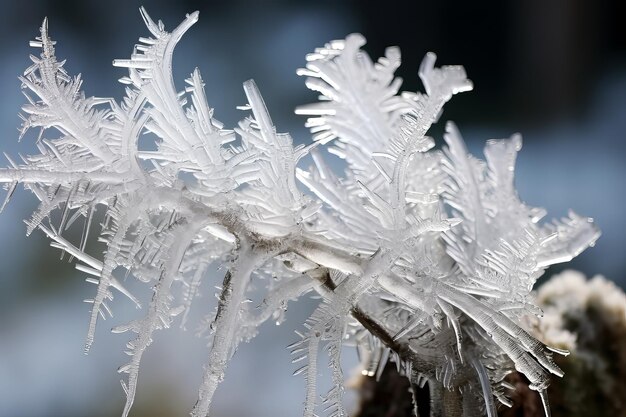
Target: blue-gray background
x=555 y=72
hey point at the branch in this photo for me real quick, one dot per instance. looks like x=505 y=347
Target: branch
x=41 y=176
x=225 y=324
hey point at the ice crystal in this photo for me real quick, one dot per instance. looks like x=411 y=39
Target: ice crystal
x=423 y=257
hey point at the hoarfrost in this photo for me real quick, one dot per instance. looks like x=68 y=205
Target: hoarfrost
x=424 y=257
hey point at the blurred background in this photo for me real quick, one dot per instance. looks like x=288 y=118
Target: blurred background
x=554 y=71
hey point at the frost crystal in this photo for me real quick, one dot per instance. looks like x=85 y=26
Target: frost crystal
x=423 y=257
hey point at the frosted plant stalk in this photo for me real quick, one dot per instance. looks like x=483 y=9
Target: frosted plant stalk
x=423 y=257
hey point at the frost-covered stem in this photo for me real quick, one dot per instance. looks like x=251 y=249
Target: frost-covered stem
x=65 y=245
x=485 y=384
x=93 y=263
x=528 y=354
x=161 y=92
x=192 y=290
x=225 y=323
x=315 y=249
x=327 y=254
x=133 y=126
x=373 y=326
x=356 y=285
x=287 y=291
x=41 y=176
x=311 y=378
x=109 y=265
x=159 y=312
x=342 y=299
x=52 y=93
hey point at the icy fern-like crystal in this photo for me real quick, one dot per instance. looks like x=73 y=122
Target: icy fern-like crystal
x=423 y=257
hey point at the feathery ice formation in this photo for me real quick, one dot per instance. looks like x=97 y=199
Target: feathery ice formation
x=422 y=257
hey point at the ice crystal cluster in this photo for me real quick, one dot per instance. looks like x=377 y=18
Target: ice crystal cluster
x=588 y=318
x=422 y=257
